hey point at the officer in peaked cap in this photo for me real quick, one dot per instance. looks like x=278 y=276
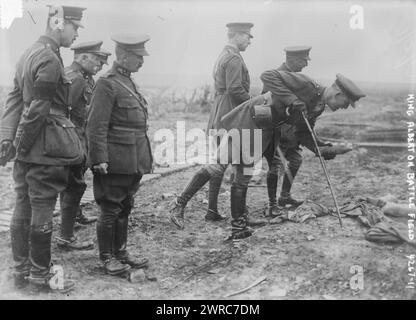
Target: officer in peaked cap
x=93 y=47
x=68 y=13
x=349 y=88
x=88 y=60
x=119 y=151
x=292 y=94
x=297 y=58
x=240 y=27
x=36 y=122
x=232 y=86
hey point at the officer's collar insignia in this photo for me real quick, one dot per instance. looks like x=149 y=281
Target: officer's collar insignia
x=123 y=71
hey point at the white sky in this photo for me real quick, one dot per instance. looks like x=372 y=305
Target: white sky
x=187 y=36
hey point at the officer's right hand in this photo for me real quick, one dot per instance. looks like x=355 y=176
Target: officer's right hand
x=328 y=154
x=295 y=112
x=100 y=168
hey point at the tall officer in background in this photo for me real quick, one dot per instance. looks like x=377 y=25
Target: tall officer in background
x=119 y=151
x=297 y=58
x=36 y=118
x=232 y=84
x=88 y=61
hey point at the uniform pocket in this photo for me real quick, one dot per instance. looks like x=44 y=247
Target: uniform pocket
x=130 y=108
x=61 y=140
x=122 y=155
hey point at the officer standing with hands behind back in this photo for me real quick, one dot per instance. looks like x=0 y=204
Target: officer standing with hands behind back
x=88 y=61
x=119 y=151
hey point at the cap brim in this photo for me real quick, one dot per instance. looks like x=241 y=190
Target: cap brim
x=139 y=52
x=77 y=23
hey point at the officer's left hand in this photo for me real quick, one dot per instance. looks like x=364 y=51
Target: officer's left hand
x=7 y=151
x=100 y=168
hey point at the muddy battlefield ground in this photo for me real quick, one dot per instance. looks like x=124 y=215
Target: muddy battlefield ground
x=312 y=260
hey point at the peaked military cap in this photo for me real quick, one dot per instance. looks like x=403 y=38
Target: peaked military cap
x=91 y=47
x=132 y=42
x=298 y=51
x=349 y=89
x=243 y=27
x=73 y=14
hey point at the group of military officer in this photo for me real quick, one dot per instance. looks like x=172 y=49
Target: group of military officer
x=44 y=126
x=57 y=123
x=288 y=97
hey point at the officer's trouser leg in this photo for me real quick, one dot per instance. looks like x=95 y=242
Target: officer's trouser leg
x=113 y=193
x=202 y=176
x=70 y=200
x=20 y=223
x=272 y=176
x=294 y=157
x=238 y=199
x=44 y=185
x=122 y=222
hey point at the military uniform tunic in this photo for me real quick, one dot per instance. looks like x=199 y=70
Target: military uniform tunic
x=36 y=118
x=81 y=88
x=232 y=84
x=117 y=125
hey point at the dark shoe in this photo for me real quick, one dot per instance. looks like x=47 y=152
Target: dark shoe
x=114 y=267
x=83 y=219
x=240 y=234
x=74 y=244
x=255 y=222
x=177 y=215
x=273 y=211
x=283 y=201
x=134 y=262
x=21 y=279
x=214 y=216
x=44 y=282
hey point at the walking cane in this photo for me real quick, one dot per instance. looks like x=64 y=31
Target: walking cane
x=323 y=166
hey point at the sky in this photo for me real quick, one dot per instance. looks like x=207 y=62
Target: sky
x=187 y=36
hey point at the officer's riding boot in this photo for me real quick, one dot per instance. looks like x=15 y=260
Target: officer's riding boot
x=67 y=240
x=250 y=221
x=105 y=238
x=239 y=229
x=196 y=183
x=81 y=218
x=272 y=210
x=214 y=190
x=285 y=198
x=40 y=258
x=120 y=245
x=19 y=232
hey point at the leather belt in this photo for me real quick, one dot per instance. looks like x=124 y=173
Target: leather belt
x=134 y=129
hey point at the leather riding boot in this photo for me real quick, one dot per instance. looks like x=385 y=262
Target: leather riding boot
x=120 y=245
x=285 y=197
x=19 y=233
x=40 y=249
x=214 y=190
x=178 y=209
x=272 y=209
x=239 y=228
x=81 y=218
x=40 y=258
x=105 y=238
x=69 y=209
